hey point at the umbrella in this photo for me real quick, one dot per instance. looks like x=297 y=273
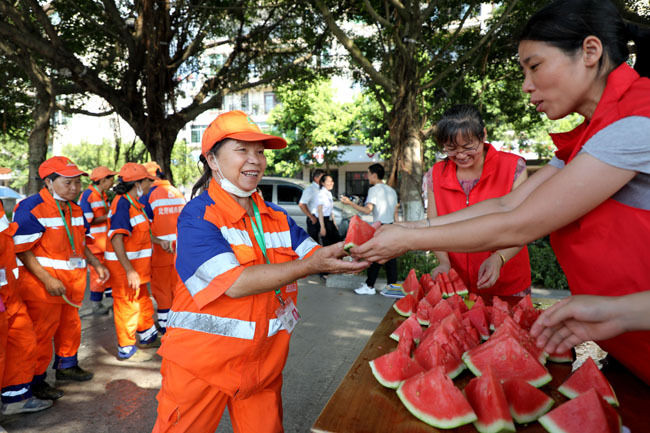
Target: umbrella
x=6 y=192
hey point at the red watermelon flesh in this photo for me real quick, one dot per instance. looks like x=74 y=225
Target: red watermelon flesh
x=426 y=281
x=434 y=295
x=441 y=310
x=561 y=356
x=497 y=317
x=508 y=359
x=509 y=327
x=423 y=311
x=477 y=300
x=500 y=304
x=433 y=398
x=434 y=355
x=443 y=286
x=477 y=317
x=526 y=402
x=411 y=285
x=525 y=318
x=457 y=303
x=586 y=377
x=586 y=413
x=526 y=303
x=405 y=344
x=409 y=327
x=488 y=400
x=473 y=333
x=359 y=232
x=393 y=368
x=448 y=285
x=406 y=306
x=459 y=286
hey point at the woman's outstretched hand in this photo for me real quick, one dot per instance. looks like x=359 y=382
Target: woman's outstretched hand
x=389 y=241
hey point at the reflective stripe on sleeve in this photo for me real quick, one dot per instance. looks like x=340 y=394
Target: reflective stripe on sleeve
x=170 y=238
x=63 y=265
x=131 y=255
x=97 y=204
x=210 y=324
x=305 y=247
x=89 y=215
x=209 y=270
x=167 y=202
x=4 y=223
x=277 y=240
x=25 y=239
x=137 y=220
x=236 y=237
x=100 y=229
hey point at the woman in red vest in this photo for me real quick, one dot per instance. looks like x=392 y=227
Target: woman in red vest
x=474 y=171
x=594 y=195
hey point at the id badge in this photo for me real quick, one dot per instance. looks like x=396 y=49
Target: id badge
x=77 y=262
x=3 y=277
x=288 y=315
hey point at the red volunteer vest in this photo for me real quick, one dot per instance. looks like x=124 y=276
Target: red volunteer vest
x=606 y=251
x=496 y=180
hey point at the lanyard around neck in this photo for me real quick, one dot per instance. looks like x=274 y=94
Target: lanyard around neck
x=65 y=223
x=141 y=211
x=258 y=231
x=100 y=196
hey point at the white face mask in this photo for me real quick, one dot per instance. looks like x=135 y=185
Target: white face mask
x=230 y=187
x=138 y=190
x=54 y=194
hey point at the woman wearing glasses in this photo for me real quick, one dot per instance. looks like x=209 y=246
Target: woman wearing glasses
x=472 y=172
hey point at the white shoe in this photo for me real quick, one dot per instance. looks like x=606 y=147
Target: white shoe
x=365 y=290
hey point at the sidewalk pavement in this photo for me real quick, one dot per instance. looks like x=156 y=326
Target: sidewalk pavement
x=121 y=398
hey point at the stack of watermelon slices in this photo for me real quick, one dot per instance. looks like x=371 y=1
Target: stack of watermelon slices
x=452 y=341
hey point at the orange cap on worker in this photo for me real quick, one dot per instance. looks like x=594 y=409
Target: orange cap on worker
x=101 y=172
x=132 y=171
x=239 y=126
x=153 y=168
x=60 y=165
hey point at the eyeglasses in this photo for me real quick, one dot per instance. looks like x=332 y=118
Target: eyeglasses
x=461 y=149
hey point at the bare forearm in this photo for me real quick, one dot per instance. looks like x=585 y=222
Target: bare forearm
x=90 y=258
x=120 y=252
x=100 y=219
x=632 y=311
x=508 y=253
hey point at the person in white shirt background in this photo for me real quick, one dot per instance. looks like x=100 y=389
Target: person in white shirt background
x=309 y=202
x=329 y=232
x=382 y=203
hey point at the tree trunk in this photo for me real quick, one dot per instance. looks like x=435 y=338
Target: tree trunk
x=39 y=137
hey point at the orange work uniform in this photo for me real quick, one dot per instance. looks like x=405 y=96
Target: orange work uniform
x=17 y=339
x=162 y=204
x=220 y=350
x=94 y=205
x=131 y=315
x=42 y=230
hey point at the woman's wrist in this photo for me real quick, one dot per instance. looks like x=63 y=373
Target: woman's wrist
x=501 y=257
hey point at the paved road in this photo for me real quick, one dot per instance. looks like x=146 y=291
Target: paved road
x=121 y=397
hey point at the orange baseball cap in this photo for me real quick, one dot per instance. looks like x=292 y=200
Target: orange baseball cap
x=132 y=171
x=61 y=166
x=101 y=172
x=239 y=126
x=152 y=167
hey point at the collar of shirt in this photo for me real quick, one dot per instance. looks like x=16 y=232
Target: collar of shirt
x=228 y=206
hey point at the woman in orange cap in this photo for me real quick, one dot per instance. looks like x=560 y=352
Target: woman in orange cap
x=50 y=243
x=238 y=258
x=94 y=203
x=128 y=256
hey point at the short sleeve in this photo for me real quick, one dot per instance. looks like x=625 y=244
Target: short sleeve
x=372 y=196
x=120 y=220
x=307 y=194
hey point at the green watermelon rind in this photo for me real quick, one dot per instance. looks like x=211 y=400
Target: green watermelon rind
x=525 y=418
x=400 y=312
x=537 y=383
x=550 y=425
x=347 y=247
x=424 y=322
x=435 y=422
x=498 y=426
x=454 y=373
x=560 y=359
x=571 y=394
x=380 y=379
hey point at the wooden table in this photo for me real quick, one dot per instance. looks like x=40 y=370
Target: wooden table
x=362 y=405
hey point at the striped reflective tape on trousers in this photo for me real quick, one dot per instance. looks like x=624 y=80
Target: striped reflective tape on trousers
x=215 y=325
x=131 y=255
x=167 y=202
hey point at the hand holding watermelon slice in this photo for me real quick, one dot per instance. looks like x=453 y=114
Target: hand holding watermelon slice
x=359 y=232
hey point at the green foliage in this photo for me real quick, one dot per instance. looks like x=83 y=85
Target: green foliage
x=545 y=270
x=421 y=261
x=13 y=155
x=370 y=127
x=185 y=169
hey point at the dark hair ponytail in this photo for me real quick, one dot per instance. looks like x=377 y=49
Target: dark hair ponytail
x=565 y=24
x=641 y=38
x=462 y=119
x=204 y=180
x=123 y=187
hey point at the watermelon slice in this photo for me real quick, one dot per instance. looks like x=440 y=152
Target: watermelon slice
x=508 y=359
x=443 y=286
x=393 y=368
x=586 y=377
x=409 y=327
x=423 y=311
x=497 y=316
x=411 y=285
x=457 y=303
x=426 y=281
x=433 y=398
x=561 y=356
x=488 y=400
x=526 y=402
x=359 y=232
x=459 y=286
x=448 y=285
x=509 y=327
x=406 y=306
x=477 y=317
x=439 y=355
x=434 y=295
x=586 y=413
x=441 y=310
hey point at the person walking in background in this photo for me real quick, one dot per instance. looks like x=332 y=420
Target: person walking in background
x=162 y=204
x=474 y=171
x=329 y=232
x=17 y=338
x=238 y=258
x=309 y=204
x=381 y=202
x=95 y=206
x=50 y=243
x=128 y=256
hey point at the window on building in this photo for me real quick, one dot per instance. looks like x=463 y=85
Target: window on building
x=288 y=194
x=356 y=183
x=244 y=102
x=269 y=101
x=196 y=132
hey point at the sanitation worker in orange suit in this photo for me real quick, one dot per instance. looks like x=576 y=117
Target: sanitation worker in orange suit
x=94 y=203
x=128 y=256
x=238 y=260
x=17 y=339
x=162 y=204
x=50 y=243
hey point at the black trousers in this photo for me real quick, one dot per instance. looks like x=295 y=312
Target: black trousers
x=313 y=229
x=391 y=272
x=332 y=235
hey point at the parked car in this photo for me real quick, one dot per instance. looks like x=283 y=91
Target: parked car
x=285 y=192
